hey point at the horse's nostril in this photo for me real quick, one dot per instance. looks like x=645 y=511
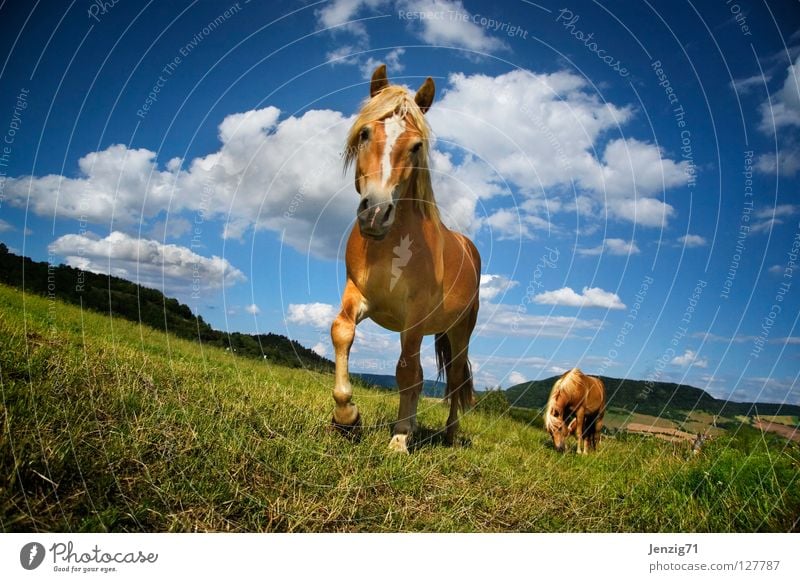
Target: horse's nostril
x=388 y=215
x=363 y=205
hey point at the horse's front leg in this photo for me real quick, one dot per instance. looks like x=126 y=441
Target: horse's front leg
x=409 y=381
x=346 y=417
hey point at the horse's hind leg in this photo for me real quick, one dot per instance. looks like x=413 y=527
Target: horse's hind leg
x=459 y=377
x=409 y=381
x=346 y=417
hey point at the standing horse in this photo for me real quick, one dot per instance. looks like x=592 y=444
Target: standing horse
x=581 y=396
x=405 y=270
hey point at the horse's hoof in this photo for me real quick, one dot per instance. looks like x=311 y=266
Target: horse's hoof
x=399 y=443
x=350 y=431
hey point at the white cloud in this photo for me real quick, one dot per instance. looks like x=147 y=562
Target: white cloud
x=782 y=109
x=320 y=349
x=174 y=227
x=770 y=217
x=253 y=309
x=692 y=240
x=285 y=175
x=750 y=83
x=174 y=268
x=540 y=132
x=341 y=14
x=502 y=320
x=516 y=378
x=390 y=59
x=590 y=297
x=448 y=23
x=612 y=246
x=785 y=163
x=493 y=285
x=318 y=315
x=776 y=270
x=6 y=226
x=690 y=358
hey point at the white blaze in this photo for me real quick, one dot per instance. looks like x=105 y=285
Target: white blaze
x=393 y=127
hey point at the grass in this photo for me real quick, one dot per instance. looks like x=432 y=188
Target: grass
x=109 y=426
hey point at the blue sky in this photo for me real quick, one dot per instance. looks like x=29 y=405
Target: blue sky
x=628 y=173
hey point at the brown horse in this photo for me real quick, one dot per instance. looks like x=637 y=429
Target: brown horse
x=405 y=270
x=579 y=396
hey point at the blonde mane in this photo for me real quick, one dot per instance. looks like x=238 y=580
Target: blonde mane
x=388 y=101
x=567 y=384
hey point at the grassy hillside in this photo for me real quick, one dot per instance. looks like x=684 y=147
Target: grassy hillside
x=108 y=425
x=127 y=300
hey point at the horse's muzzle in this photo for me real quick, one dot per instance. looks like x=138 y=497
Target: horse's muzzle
x=375 y=220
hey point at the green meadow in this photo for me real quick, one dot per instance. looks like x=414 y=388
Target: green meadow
x=112 y=426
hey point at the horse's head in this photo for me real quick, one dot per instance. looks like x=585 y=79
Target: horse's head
x=555 y=422
x=389 y=145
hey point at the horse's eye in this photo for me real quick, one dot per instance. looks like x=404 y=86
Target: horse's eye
x=416 y=147
x=364 y=135
x=555 y=414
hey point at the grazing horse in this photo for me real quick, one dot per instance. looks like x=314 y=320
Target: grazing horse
x=579 y=396
x=405 y=269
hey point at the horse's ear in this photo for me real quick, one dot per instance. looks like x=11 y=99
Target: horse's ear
x=379 y=80
x=424 y=96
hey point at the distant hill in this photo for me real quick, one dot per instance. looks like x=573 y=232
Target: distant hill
x=431 y=388
x=127 y=300
x=663 y=399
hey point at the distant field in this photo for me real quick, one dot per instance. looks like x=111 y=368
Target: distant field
x=109 y=426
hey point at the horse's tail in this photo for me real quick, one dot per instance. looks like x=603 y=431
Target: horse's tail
x=444 y=356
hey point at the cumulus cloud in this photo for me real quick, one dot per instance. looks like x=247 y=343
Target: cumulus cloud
x=448 y=23
x=590 y=297
x=690 y=358
x=6 y=226
x=782 y=109
x=692 y=240
x=612 y=246
x=494 y=285
x=533 y=132
x=786 y=162
x=516 y=378
x=173 y=268
x=541 y=131
x=253 y=309
x=502 y=320
x=767 y=218
x=318 y=315
x=320 y=349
